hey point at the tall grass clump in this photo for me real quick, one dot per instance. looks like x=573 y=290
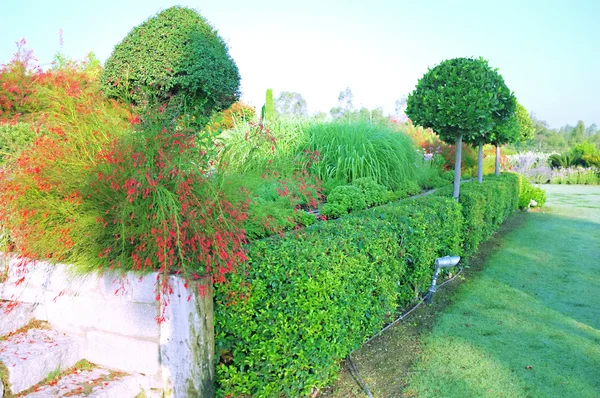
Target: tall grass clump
x=352 y=150
x=265 y=167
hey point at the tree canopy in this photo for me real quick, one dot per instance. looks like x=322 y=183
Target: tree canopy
x=174 y=57
x=461 y=97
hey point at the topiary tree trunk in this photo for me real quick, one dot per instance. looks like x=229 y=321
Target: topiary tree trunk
x=480 y=164
x=457 y=164
x=497 y=160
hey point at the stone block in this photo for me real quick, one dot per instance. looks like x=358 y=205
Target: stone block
x=122 y=353
x=29 y=357
x=80 y=314
x=132 y=287
x=18 y=317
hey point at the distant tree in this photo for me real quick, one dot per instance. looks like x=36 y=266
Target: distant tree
x=526 y=129
x=461 y=98
x=345 y=104
x=577 y=135
x=290 y=104
x=400 y=109
x=517 y=128
x=505 y=132
x=591 y=130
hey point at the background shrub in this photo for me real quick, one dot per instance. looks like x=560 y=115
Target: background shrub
x=311 y=297
x=174 y=57
x=374 y=193
x=347 y=196
x=529 y=192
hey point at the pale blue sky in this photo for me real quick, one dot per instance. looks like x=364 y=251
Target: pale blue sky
x=547 y=51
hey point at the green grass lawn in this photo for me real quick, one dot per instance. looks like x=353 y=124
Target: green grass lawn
x=529 y=324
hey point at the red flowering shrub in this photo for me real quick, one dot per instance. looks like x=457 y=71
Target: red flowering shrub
x=40 y=188
x=160 y=210
x=101 y=191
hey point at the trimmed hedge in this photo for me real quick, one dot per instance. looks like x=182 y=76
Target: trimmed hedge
x=311 y=297
x=485 y=206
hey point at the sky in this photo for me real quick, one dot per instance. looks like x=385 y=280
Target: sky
x=547 y=51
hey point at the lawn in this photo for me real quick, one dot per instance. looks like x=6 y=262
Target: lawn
x=529 y=324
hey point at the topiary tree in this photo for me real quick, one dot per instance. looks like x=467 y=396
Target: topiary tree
x=177 y=58
x=461 y=98
x=518 y=127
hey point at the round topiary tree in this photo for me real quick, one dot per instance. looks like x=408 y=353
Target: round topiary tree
x=461 y=98
x=518 y=127
x=177 y=58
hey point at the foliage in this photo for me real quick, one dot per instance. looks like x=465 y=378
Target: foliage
x=565 y=160
x=333 y=210
x=101 y=191
x=485 y=206
x=311 y=297
x=41 y=187
x=574 y=175
x=374 y=193
x=161 y=212
x=461 y=97
x=526 y=128
x=14 y=138
x=237 y=113
x=348 y=197
x=351 y=150
x=268 y=111
x=528 y=193
x=549 y=139
x=345 y=104
x=261 y=165
x=406 y=189
x=463 y=100
x=174 y=57
x=431 y=145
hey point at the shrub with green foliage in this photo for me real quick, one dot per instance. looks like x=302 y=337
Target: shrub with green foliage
x=174 y=57
x=347 y=197
x=528 y=192
x=311 y=297
x=485 y=206
x=374 y=193
x=406 y=189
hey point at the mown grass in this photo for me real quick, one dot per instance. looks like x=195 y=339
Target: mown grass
x=529 y=324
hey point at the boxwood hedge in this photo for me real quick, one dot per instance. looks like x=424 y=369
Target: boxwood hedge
x=311 y=297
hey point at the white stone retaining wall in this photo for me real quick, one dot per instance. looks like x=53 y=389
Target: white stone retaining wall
x=116 y=319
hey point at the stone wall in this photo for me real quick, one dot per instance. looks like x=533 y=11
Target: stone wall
x=115 y=317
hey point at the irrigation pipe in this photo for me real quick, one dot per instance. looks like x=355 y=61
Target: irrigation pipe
x=354 y=370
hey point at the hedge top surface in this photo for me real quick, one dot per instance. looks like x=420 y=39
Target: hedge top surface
x=172 y=54
x=461 y=96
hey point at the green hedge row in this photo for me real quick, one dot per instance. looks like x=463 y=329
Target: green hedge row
x=311 y=297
